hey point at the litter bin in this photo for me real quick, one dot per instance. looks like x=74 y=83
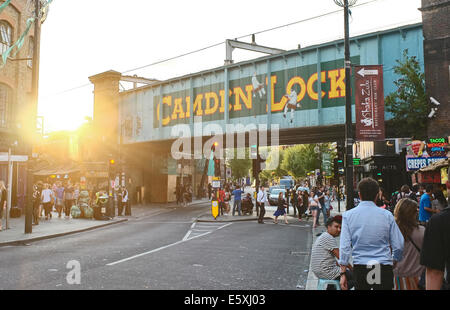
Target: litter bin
x=100 y=209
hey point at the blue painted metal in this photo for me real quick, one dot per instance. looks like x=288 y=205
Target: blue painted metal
x=383 y=47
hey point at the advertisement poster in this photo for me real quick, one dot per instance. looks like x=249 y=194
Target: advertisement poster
x=369 y=103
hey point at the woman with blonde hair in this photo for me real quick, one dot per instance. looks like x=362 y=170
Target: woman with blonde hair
x=408 y=272
x=2 y=201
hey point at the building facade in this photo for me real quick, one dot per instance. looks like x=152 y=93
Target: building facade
x=16 y=105
x=436 y=32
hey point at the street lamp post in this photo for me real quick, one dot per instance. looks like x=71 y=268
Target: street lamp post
x=348 y=105
x=34 y=96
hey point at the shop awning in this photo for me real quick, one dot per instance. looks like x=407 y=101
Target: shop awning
x=56 y=171
x=435 y=166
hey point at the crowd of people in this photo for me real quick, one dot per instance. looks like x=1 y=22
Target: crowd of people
x=404 y=247
x=61 y=196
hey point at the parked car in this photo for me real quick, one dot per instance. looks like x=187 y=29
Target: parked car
x=273 y=195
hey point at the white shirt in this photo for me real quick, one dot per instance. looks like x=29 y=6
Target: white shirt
x=47 y=195
x=262 y=197
x=125 y=197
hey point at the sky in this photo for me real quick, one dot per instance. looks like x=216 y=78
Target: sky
x=86 y=37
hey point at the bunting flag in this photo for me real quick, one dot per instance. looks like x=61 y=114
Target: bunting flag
x=19 y=43
x=211 y=171
x=4 y=5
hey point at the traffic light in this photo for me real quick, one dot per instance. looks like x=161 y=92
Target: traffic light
x=112 y=168
x=258 y=165
x=338 y=166
x=216 y=167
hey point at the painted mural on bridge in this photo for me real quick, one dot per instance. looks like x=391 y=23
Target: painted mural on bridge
x=296 y=89
x=290 y=90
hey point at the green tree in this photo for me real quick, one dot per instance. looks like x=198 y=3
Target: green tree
x=301 y=159
x=240 y=167
x=409 y=104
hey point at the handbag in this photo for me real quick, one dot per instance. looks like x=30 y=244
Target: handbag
x=422 y=278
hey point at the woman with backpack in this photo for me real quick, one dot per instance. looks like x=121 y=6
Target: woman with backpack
x=408 y=272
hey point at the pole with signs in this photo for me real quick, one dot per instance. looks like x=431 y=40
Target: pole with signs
x=369 y=103
x=10 y=172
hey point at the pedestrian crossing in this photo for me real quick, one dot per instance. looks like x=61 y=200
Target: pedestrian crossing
x=198 y=229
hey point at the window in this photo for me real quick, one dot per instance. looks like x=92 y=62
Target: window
x=5 y=36
x=30 y=51
x=5 y=100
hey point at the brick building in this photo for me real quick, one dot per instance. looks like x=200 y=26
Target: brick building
x=436 y=32
x=16 y=106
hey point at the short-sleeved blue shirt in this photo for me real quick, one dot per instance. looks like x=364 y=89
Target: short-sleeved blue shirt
x=237 y=194
x=425 y=202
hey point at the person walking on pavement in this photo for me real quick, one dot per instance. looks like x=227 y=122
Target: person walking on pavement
x=221 y=200
x=68 y=199
x=209 y=191
x=237 y=193
x=123 y=201
x=47 y=198
x=37 y=191
x=261 y=201
x=282 y=204
x=314 y=206
x=435 y=253
x=372 y=237
x=407 y=272
x=321 y=197
x=59 y=193
x=305 y=206
x=294 y=202
x=425 y=207
x=3 y=199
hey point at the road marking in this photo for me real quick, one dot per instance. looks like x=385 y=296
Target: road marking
x=155 y=250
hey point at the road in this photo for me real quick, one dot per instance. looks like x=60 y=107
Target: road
x=165 y=251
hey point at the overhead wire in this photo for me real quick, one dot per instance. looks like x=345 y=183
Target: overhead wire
x=220 y=43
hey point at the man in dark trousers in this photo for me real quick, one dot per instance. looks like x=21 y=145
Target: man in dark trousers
x=435 y=253
x=262 y=200
x=371 y=236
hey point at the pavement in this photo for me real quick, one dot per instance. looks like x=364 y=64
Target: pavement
x=57 y=227
x=312 y=282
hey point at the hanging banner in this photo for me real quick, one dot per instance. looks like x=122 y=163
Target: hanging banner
x=369 y=103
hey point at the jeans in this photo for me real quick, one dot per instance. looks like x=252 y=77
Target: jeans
x=237 y=203
x=324 y=212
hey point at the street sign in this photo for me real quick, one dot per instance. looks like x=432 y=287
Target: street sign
x=215 y=182
x=369 y=103
x=215 y=208
x=356 y=161
x=228 y=172
x=22 y=158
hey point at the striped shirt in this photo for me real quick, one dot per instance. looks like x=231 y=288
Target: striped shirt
x=323 y=262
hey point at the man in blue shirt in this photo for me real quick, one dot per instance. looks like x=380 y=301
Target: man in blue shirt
x=425 y=210
x=372 y=238
x=237 y=193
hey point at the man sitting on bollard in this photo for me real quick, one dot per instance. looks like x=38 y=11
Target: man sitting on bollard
x=325 y=253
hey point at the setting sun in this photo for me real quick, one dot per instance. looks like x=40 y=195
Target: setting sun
x=62 y=112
